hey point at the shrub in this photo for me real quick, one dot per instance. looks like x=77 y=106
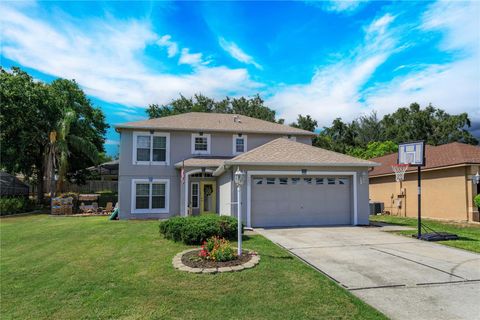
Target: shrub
x=13 y=205
x=477 y=200
x=217 y=249
x=197 y=229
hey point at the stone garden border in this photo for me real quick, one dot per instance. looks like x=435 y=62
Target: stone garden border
x=178 y=264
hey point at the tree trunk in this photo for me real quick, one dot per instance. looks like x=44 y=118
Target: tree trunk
x=40 y=191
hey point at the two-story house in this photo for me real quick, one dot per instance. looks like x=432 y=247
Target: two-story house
x=184 y=164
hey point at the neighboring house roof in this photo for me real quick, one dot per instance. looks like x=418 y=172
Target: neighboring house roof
x=202 y=162
x=285 y=152
x=11 y=185
x=446 y=155
x=213 y=122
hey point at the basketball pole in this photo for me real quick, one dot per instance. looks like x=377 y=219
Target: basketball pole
x=419 y=223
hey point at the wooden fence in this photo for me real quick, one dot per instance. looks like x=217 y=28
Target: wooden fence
x=91 y=186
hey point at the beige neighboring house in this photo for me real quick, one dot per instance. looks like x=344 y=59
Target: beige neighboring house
x=185 y=164
x=447 y=187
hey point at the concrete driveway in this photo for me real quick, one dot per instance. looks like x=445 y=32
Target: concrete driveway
x=403 y=277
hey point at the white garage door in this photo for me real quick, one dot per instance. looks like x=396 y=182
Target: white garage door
x=301 y=201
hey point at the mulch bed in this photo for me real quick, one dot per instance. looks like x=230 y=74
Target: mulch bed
x=191 y=259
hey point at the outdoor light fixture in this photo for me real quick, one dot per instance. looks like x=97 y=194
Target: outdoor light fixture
x=476 y=178
x=239 y=180
x=304 y=171
x=363 y=177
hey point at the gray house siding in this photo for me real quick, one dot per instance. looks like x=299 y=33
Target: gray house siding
x=180 y=149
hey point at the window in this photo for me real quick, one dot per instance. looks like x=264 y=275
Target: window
x=151 y=148
x=283 y=181
x=271 y=180
x=200 y=143
x=195 y=191
x=201 y=175
x=143 y=148
x=258 y=181
x=319 y=181
x=239 y=143
x=342 y=180
x=142 y=193
x=307 y=180
x=295 y=180
x=331 y=180
x=150 y=196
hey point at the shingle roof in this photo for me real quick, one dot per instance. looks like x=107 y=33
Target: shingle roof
x=287 y=152
x=202 y=162
x=211 y=122
x=446 y=155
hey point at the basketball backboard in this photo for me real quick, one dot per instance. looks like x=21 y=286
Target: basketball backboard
x=412 y=153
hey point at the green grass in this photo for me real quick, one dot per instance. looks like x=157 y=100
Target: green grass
x=84 y=268
x=469 y=235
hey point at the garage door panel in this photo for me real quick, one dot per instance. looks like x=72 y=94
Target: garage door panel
x=301 y=204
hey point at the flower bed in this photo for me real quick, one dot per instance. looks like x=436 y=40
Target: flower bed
x=215 y=255
x=192 y=260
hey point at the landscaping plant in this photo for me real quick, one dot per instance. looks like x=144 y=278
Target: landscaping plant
x=217 y=249
x=477 y=200
x=197 y=229
x=13 y=205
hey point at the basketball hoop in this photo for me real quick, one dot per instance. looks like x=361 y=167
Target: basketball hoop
x=399 y=170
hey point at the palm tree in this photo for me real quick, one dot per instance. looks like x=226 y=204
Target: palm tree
x=58 y=150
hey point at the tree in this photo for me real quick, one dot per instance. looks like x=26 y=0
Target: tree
x=251 y=107
x=433 y=125
x=30 y=110
x=305 y=123
x=374 y=149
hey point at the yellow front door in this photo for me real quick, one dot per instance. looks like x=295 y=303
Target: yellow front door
x=208 y=197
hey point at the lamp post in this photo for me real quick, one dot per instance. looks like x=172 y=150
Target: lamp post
x=239 y=179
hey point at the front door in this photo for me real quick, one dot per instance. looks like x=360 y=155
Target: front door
x=208 y=199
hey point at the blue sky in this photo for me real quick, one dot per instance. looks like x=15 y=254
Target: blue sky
x=328 y=59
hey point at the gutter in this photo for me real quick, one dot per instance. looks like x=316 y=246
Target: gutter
x=220 y=170
x=118 y=128
x=424 y=170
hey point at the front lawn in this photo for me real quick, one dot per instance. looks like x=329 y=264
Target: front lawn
x=79 y=268
x=469 y=235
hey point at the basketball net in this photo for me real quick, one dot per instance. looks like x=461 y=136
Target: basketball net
x=399 y=170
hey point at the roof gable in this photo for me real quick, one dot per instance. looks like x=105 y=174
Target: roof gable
x=287 y=152
x=211 y=122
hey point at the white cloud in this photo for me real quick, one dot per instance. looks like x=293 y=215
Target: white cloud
x=172 y=47
x=338 y=89
x=454 y=86
x=190 y=58
x=112 y=142
x=106 y=58
x=335 y=89
x=237 y=53
x=339 y=6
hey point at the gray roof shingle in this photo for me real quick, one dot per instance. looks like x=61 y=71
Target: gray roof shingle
x=213 y=122
x=283 y=151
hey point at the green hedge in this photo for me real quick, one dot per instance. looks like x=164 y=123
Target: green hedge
x=477 y=200
x=197 y=229
x=14 y=205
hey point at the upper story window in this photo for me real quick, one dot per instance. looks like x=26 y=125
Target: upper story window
x=239 y=144
x=200 y=143
x=151 y=148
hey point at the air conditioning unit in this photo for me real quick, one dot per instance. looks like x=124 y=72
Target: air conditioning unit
x=376 y=207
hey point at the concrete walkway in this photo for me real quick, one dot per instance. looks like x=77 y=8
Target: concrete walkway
x=403 y=277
